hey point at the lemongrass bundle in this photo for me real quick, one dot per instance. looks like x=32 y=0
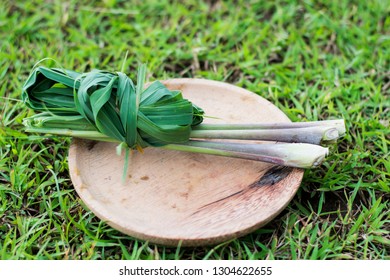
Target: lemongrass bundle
x=107 y=106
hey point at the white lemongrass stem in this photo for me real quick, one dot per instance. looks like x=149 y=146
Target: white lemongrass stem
x=311 y=135
x=339 y=124
x=287 y=154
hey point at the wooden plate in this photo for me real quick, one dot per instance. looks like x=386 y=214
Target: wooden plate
x=171 y=197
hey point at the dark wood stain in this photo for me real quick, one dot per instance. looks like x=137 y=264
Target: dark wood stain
x=273 y=176
x=222 y=199
x=217 y=201
x=91 y=144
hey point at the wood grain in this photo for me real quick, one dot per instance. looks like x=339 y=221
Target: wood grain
x=169 y=196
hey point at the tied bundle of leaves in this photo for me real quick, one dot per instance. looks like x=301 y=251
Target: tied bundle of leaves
x=106 y=106
x=101 y=104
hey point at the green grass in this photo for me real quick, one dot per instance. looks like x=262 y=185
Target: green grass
x=313 y=59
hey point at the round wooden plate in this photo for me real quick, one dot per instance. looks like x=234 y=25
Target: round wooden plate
x=172 y=197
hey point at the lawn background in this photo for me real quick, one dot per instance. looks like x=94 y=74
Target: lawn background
x=314 y=60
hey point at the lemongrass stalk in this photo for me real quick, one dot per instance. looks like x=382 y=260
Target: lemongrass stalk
x=308 y=133
x=85 y=134
x=311 y=135
x=46 y=123
x=48 y=120
x=339 y=124
x=286 y=154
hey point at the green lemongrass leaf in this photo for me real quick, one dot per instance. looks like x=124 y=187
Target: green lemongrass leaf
x=108 y=123
x=176 y=113
x=65 y=77
x=100 y=97
x=82 y=95
x=40 y=87
x=54 y=100
x=128 y=117
x=140 y=84
x=157 y=93
x=161 y=135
